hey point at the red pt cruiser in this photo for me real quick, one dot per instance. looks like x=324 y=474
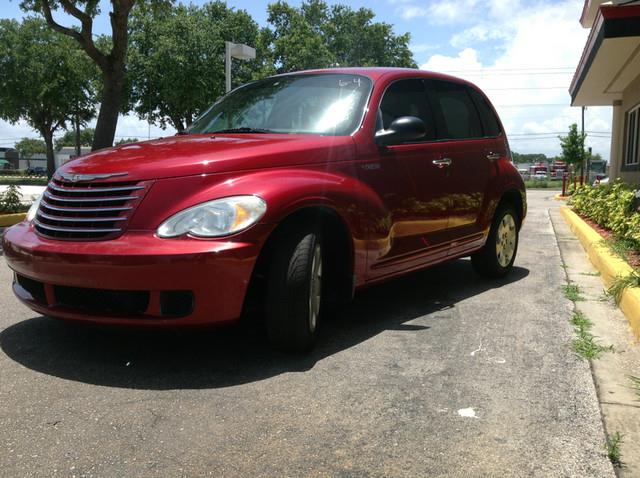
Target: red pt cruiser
x=290 y=192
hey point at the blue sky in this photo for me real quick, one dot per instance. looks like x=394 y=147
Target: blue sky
x=522 y=53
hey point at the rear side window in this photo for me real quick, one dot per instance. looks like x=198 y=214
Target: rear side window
x=407 y=98
x=456 y=114
x=490 y=123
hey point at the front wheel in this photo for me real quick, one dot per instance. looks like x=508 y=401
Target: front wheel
x=496 y=258
x=294 y=294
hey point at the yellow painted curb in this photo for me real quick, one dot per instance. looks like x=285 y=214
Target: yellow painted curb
x=11 y=219
x=560 y=197
x=609 y=265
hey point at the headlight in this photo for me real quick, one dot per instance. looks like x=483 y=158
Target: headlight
x=31 y=214
x=221 y=217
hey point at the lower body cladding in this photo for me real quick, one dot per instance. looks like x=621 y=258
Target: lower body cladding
x=136 y=279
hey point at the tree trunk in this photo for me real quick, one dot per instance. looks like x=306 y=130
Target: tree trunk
x=109 y=110
x=51 y=161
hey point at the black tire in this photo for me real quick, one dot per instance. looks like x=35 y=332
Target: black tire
x=290 y=322
x=489 y=262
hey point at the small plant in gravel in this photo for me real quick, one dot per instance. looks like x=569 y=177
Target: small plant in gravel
x=621 y=283
x=586 y=345
x=622 y=248
x=613 y=449
x=572 y=292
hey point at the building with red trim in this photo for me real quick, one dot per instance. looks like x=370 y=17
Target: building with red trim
x=609 y=75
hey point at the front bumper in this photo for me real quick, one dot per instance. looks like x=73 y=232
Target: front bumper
x=136 y=279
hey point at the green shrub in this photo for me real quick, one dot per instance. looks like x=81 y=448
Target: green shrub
x=25 y=181
x=13 y=172
x=10 y=200
x=610 y=206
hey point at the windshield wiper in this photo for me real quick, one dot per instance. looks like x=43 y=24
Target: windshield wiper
x=243 y=129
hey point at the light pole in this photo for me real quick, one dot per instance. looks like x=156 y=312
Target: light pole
x=235 y=50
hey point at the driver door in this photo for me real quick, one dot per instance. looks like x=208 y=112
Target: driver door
x=413 y=185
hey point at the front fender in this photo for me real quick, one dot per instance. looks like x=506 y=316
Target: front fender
x=286 y=190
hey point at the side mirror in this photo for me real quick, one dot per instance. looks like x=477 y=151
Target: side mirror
x=403 y=129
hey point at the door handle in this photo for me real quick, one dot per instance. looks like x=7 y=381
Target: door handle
x=493 y=156
x=442 y=163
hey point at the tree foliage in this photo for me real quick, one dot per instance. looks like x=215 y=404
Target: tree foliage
x=69 y=138
x=177 y=59
x=44 y=77
x=317 y=35
x=126 y=141
x=11 y=200
x=519 y=158
x=573 y=146
x=28 y=147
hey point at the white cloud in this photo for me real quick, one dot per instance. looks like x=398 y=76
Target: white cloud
x=451 y=12
x=411 y=11
x=475 y=34
x=529 y=80
x=423 y=47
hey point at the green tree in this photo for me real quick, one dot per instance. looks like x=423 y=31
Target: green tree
x=177 y=59
x=318 y=36
x=27 y=147
x=11 y=199
x=573 y=147
x=110 y=56
x=529 y=158
x=126 y=141
x=70 y=138
x=42 y=73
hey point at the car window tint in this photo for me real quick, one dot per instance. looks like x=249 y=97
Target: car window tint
x=490 y=123
x=407 y=98
x=457 y=113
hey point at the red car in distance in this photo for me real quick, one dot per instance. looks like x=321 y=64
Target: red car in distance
x=288 y=193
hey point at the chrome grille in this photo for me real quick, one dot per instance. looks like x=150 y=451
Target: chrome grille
x=87 y=211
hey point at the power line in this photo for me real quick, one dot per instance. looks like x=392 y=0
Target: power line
x=528 y=88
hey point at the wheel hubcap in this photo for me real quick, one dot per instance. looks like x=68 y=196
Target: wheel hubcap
x=315 y=289
x=506 y=240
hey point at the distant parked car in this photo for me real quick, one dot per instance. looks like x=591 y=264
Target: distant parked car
x=601 y=181
x=37 y=171
x=539 y=176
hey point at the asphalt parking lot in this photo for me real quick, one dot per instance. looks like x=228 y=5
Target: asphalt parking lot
x=438 y=374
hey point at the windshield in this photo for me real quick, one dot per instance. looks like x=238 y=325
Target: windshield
x=328 y=104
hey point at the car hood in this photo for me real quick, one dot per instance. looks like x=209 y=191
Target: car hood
x=207 y=153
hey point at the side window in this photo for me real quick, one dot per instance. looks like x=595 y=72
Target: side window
x=456 y=114
x=407 y=98
x=490 y=123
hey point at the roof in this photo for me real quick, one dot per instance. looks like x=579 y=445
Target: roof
x=378 y=72
x=611 y=58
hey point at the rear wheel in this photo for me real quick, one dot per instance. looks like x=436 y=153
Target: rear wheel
x=497 y=256
x=294 y=290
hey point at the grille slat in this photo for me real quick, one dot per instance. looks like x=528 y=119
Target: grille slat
x=84 y=209
x=87 y=211
x=80 y=219
x=87 y=230
x=95 y=189
x=47 y=194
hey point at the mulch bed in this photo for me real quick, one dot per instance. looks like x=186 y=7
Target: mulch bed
x=633 y=256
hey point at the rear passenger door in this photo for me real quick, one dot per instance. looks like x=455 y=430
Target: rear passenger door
x=468 y=143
